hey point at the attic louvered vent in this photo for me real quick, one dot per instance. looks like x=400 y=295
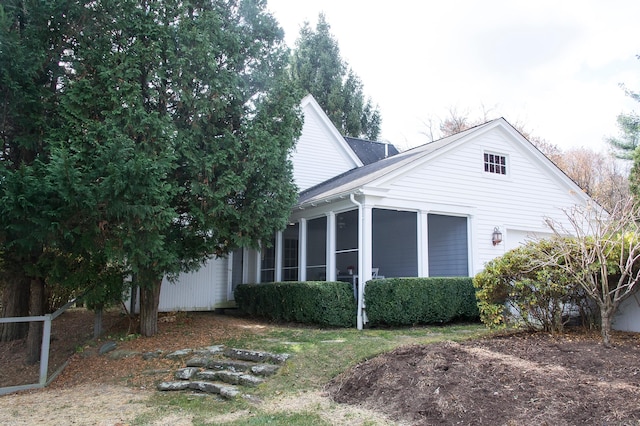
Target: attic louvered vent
x=494 y=163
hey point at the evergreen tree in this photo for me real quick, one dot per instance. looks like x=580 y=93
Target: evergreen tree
x=629 y=138
x=179 y=121
x=318 y=68
x=627 y=144
x=34 y=37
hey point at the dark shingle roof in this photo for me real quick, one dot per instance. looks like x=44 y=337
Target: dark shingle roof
x=370 y=151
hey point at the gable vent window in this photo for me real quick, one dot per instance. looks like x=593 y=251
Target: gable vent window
x=494 y=163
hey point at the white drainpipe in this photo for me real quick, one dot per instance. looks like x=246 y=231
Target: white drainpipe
x=360 y=301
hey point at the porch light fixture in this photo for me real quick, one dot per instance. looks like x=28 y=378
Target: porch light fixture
x=496 y=237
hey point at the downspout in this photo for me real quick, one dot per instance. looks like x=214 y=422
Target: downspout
x=360 y=301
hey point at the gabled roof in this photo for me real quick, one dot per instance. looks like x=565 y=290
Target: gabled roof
x=353 y=180
x=310 y=102
x=370 y=151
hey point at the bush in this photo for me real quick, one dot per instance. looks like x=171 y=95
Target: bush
x=519 y=288
x=313 y=302
x=409 y=301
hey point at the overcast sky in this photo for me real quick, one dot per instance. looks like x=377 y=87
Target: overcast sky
x=553 y=65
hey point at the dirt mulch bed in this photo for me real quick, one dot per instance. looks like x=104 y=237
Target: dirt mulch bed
x=72 y=343
x=517 y=379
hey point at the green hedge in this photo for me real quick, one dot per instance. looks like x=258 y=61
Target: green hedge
x=315 y=302
x=408 y=301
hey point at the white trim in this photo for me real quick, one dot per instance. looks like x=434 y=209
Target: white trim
x=331 y=246
x=230 y=277
x=302 y=250
x=278 y=255
x=423 y=244
x=309 y=100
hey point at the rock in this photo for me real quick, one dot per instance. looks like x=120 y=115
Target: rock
x=249 y=380
x=107 y=347
x=180 y=353
x=224 y=391
x=219 y=364
x=151 y=355
x=186 y=373
x=228 y=392
x=265 y=370
x=242 y=370
x=211 y=350
x=173 y=386
x=207 y=375
x=237 y=378
x=122 y=353
x=256 y=356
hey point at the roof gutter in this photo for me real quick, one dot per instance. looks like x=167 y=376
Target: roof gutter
x=316 y=203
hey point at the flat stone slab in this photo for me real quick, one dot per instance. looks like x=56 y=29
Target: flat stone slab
x=181 y=353
x=256 y=356
x=219 y=364
x=186 y=373
x=230 y=377
x=222 y=390
x=173 y=386
x=265 y=370
x=210 y=350
x=107 y=347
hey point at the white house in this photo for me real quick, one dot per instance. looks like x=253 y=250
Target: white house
x=429 y=211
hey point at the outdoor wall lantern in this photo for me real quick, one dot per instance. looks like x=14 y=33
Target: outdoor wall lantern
x=496 y=237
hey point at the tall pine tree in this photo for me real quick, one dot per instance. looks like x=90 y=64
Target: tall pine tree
x=318 y=68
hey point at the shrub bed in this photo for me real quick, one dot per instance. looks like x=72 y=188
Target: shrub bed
x=324 y=303
x=409 y=301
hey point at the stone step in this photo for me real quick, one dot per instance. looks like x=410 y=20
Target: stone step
x=230 y=377
x=219 y=364
x=256 y=356
x=262 y=370
x=224 y=390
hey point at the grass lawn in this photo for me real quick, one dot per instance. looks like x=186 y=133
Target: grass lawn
x=293 y=395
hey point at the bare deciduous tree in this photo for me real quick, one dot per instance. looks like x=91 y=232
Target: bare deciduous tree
x=601 y=253
x=597 y=173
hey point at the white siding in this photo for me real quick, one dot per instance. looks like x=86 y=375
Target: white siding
x=628 y=316
x=202 y=290
x=514 y=238
x=319 y=154
x=455 y=183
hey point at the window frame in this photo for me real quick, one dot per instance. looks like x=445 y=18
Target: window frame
x=500 y=163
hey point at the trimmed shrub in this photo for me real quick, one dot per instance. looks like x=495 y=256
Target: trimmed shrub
x=521 y=288
x=324 y=303
x=409 y=301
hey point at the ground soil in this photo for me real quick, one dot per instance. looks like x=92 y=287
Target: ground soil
x=511 y=379
x=514 y=379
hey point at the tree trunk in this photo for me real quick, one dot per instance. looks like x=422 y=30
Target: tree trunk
x=36 y=308
x=605 y=327
x=15 y=303
x=134 y=294
x=97 y=322
x=149 y=300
